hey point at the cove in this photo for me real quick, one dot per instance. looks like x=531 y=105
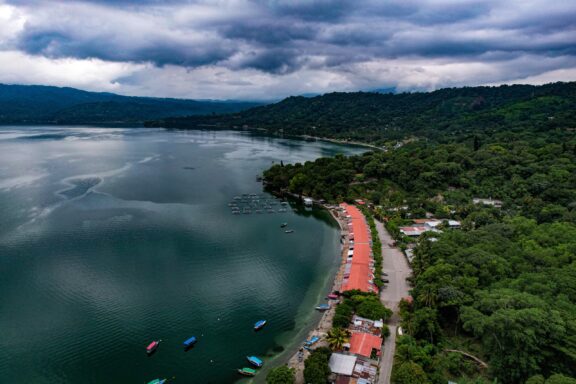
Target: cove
x=113 y=237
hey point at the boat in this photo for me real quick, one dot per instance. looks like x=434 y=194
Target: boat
x=289 y=231
x=247 y=371
x=259 y=325
x=190 y=342
x=283 y=225
x=332 y=296
x=255 y=361
x=158 y=381
x=323 y=307
x=152 y=346
x=312 y=341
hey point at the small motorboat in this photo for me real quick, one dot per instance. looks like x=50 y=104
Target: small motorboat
x=283 y=225
x=332 y=296
x=289 y=231
x=311 y=342
x=158 y=381
x=190 y=342
x=259 y=325
x=152 y=346
x=255 y=361
x=247 y=371
x=323 y=307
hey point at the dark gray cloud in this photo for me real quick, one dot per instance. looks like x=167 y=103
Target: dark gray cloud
x=269 y=32
x=283 y=37
x=58 y=44
x=275 y=60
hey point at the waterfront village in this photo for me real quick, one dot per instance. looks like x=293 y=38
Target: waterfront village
x=359 y=336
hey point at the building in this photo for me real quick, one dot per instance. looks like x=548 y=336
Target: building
x=414 y=231
x=342 y=364
x=489 y=201
x=359 y=268
x=361 y=324
x=350 y=369
x=365 y=344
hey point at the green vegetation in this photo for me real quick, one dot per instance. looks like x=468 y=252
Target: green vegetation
x=376 y=245
x=41 y=104
x=495 y=300
x=385 y=118
x=365 y=305
x=337 y=337
x=316 y=369
x=281 y=375
x=554 y=379
x=533 y=177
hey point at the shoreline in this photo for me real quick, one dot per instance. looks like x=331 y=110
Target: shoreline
x=311 y=325
x=278 y=134
x=325 y=322
x=342 y=142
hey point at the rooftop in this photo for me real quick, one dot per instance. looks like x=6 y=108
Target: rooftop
x=363 y=343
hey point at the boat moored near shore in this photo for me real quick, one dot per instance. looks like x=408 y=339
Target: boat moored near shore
x=259 y=325
x=247 y=372
x=158 y=381
x=255 y=361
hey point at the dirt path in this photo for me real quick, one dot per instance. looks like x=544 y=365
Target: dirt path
x=396 y=266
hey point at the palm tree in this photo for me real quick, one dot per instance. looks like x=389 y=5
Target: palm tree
x=337 y=337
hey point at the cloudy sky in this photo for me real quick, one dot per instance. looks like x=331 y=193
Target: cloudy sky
x=255 y=49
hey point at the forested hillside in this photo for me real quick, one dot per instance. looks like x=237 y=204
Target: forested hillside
x=41 y=104
x=503 y=287
x=376 y=118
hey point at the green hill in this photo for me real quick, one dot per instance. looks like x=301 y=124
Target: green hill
x=374 y=117
x=33 y=104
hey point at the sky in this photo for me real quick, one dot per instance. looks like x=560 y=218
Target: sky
x=267 y=50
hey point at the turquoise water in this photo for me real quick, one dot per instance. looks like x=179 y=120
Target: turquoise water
x=111 y=238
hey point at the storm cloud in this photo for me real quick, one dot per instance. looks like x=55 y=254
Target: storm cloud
x=274 y=48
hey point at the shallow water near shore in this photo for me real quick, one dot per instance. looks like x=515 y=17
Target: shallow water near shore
x=113 y=237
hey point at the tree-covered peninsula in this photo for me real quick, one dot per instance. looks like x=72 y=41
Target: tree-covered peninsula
x=503 y=288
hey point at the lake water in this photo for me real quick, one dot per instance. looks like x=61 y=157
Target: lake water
x=111 y=238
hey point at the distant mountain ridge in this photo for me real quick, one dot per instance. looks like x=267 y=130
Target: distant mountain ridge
x=373 y=116
x=31 y=104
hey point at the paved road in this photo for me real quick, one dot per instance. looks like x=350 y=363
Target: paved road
x=395 y=265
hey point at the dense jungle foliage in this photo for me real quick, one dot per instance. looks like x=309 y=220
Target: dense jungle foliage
x=503 y=287
x=378 y=118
